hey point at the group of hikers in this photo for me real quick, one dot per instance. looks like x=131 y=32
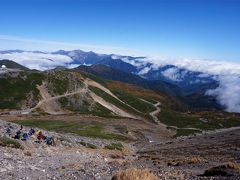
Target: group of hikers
x=37 y=135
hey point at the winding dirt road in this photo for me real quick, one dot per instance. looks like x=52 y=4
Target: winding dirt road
x=154 y=113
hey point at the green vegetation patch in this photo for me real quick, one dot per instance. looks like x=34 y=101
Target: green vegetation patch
x=121 y=128
x=8 y=142
x=186 y=132
x=181 y=120
x=134 y=101
x=60 y=82
x=114 y=146
x=94 y=78
x=93 y=129
x=81 y=105
x=14 y=90
x=101 y=111
x=88 y=145
x=111 y=99
x=184 y=120
x=76 y=103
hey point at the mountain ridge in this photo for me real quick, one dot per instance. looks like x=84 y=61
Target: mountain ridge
x=168 y=77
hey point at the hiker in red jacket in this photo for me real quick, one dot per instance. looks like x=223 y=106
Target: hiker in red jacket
x=40 y=136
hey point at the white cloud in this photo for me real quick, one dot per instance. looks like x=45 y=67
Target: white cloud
x=172 y=74
x=208 y=67
x=138 y=62
x=226 y=73
x=144 y=71
x=38 y=61
x=228 y=92
x=203 y=75
x=71 y=66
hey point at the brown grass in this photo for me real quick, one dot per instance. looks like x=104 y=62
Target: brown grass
x=194 y=160
x=134 y=174
x=27 y=153
x=231 y=165
x=146 y=94
x=134 y=90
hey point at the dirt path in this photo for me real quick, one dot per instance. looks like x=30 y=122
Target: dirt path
x=48 y=103
x=43 y=91
x=154 y=113
x=152 y=137
x=175 y=127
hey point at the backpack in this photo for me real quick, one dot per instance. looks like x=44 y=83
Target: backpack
x=25 y=135
x=48 y=140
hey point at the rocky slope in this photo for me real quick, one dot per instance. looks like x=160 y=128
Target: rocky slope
x=212 y=155
x=71 y=158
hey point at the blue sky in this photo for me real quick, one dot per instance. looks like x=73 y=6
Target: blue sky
x=190 y=29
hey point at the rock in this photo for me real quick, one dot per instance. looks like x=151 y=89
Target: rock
x=230 y=169
x=3 y=170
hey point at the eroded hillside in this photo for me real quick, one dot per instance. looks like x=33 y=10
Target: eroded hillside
x=64 y=91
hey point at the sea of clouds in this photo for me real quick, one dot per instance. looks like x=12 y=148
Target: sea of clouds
x=227 y=73
x=39 y=61
x=228 y=92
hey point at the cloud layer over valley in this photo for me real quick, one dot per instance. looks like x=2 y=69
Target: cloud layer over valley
x=228 y=92
x=226 y=73
x=39 y=61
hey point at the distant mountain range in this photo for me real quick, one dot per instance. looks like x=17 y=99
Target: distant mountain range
x=187 y=85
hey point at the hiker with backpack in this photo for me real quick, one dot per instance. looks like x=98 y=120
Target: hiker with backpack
x=8 y=131
x=18 y=135
x=40 y=136
x=31 y=132
x=50 y=141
